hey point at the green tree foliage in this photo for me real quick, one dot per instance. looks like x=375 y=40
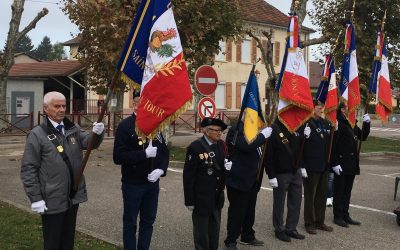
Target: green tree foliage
x=331 y=15
x=24 y=44
x=44 y=49
x=57 y=52
x=104 y=27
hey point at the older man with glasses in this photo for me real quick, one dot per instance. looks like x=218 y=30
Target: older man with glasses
x=204 y=183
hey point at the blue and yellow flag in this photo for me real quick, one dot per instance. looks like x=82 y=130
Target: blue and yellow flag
x=253 y=118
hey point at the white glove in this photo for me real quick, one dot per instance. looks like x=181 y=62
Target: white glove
x=151 y=151
x=98 y=128
x=337 y=125
x=266 y=132
x=228 y=165
x=39 y=206
x=307 y=131
x=190 y=208
x=337 y=169
x=155 y=175
x=366 y=118
x=304 y=172
x=273 y=183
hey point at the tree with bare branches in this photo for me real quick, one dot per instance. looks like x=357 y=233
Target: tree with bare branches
x=14 y=35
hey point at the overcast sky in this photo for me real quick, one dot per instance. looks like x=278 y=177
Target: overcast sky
x=58 y=27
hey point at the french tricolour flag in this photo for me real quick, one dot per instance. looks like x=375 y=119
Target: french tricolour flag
x=349 y=85
x=380 y=81
x=295 y=101
x=153 y=60
x=327 y=89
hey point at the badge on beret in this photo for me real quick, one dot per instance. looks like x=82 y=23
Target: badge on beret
x=281 y=134
x=60 y=149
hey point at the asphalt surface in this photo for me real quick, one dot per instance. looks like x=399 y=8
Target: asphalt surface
x=372 y=204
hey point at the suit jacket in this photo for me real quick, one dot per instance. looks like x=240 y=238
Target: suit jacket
x=203 y=179
x=282 y=151
x=315 y=153
x=129 y=152
x=345 y=145
x=245 y=159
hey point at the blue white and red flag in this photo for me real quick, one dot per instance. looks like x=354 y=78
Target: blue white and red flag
x=153 y=60
x=327 y=89
x=295 y=101
x=380 y=80
x=349 y=86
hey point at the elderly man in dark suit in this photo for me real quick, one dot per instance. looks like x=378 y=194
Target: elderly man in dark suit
x=204 y=183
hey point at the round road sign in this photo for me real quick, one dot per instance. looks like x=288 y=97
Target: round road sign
x=206 y=80
x=206 y=108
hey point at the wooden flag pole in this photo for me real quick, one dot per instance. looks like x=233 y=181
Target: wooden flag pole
x=94 y=136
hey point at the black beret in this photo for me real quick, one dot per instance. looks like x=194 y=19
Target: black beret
x=213 y=121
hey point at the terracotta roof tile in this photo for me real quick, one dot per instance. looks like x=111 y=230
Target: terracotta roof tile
x=45 y=69
x=262 y=12
x=73 y=41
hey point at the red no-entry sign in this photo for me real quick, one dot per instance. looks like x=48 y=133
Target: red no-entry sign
x=206 y=108
x=206 y=80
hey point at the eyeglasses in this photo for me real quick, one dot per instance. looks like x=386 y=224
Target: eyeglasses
x=215 y=130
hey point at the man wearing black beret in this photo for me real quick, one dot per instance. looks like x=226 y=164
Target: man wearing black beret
x=204 y=183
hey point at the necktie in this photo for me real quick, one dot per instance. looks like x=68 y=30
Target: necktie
x=59 y=128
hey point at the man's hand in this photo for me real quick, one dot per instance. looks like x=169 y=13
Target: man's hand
x=337 y=169
x=151 y=151
x=304 y=172
x=155 y=175
x=228 y=165
x=98 y=128
x=39 y=207
x=366 y=118
x=190 y=208
x=266 y=132
x=337 y=125
x=273 y=183
x=307 y=131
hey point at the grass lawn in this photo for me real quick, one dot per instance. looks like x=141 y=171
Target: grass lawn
x=22 y=230
x=376 y=144
x=177 y=153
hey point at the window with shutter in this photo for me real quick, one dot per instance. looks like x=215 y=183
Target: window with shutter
x=229 y=50
x=228 y=95
x=239 y=50
x=238 y=95
x=253 y=50
x=264 y=45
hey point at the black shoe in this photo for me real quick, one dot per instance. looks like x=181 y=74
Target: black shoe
x=294 y=234
x=350 y=221
x=253 y=242
x=231 y=246
x=282 y=236
x=340 y=222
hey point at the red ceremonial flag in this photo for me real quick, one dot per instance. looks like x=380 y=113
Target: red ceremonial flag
x=295 y=101
x=161 y=73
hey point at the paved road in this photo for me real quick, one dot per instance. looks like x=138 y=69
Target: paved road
x=101 y=216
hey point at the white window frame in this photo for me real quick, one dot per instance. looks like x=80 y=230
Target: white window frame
x=246 y=51
x=221 y=56
x=220 y=95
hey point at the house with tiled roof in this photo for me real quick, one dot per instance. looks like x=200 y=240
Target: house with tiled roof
x=28 y=82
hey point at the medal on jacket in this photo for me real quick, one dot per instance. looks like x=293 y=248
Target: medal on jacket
x=281 y=135
x=206 y=157
x=210 y=171
x=60 y=149
x=72 y=140
x=201 y=156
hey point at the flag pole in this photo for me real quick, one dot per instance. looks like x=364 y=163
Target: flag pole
x=369 y=92
x=94 y=136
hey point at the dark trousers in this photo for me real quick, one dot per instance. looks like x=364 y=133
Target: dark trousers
x=343 y=184
x=206 y=230
x=315 y=186
x=329 y=193
x=290 y=185
x=59 y=229
x=139 y=199
x=241 y=214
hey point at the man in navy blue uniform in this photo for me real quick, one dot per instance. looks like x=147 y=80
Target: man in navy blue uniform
x=204 y=183
x=346 y=163
x=242 y=186
x=142 y=162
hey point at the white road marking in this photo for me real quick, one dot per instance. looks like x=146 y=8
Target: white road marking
x=383 y=175
x=351 y=205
